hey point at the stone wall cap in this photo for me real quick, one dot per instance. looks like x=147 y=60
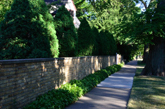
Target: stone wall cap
x=32 y=60
x=18 y=61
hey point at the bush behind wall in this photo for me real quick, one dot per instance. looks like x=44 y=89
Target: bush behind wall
x=66 y=33
x=106 y=42
x=86 y=39
x=28 y=31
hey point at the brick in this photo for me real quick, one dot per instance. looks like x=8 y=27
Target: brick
x=28 y=80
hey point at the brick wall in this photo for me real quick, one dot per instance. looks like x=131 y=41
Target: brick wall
x=22 y=80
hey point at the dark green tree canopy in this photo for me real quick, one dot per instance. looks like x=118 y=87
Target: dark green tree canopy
x=66 y=33
x=96 y=44
x=86 y=39
x=148 y=28
x=107 y=44
x=28 y=31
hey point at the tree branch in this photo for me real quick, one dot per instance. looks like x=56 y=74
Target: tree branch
x=144 y=3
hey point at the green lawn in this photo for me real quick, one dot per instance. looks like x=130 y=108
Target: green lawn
x=148 y=92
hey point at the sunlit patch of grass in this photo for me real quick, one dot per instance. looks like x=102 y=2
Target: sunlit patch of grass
x=148 y=92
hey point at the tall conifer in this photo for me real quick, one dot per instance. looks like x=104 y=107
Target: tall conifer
x=28 y=31
x=86 y=39
x=66 y=33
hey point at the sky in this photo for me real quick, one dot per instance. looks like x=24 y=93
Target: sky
x=140 y=5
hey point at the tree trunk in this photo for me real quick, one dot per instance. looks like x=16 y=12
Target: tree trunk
x=145 y=53
x=156 y=60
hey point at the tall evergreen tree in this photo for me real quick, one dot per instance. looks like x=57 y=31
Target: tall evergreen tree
x=112 y=43
x=96 y=44
x=86 y=39
x=107 y=44
x=28 y=31
x=66 y=33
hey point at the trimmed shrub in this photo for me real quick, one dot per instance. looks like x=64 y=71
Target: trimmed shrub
x=95 y=51
x=86 y=39
x=28 y=31
x=80 y=83
x=54 y=99
x=70 y=92
x=66 y=33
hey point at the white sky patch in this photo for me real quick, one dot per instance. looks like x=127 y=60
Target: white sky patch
x=141 y=6
x=138 y=5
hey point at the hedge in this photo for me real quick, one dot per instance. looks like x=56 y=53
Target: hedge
x=70 y=92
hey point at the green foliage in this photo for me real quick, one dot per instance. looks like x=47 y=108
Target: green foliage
x=83 y=7
x=104 y=44
x=86 y=39
x=70 y=92
x=143 y=27
x=107 y=44
x=66 y=33
x=54 y=99
x=96 y=44
x=28 y=31
x=107 y=15
x=140 y=49
x=127 y=51
x=5 y=6
x=112 y=16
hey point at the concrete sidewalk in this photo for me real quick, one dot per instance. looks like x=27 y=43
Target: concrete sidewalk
x=112 y=93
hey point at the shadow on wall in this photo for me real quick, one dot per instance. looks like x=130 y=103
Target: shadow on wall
x=78 y=68
x=21 y=83
x=22 y=80
x=41 y=78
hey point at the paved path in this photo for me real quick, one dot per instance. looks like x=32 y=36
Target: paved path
x=112 y=93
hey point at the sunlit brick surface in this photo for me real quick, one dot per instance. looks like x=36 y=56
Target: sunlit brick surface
x=22 y=80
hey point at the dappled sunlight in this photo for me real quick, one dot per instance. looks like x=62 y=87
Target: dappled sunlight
x=134 y=104
x=95 y=99
x=161 y=88
x=114 y=88
x=29 y=78
x=148 y=92
x=120 y=79
x=140 y=66
x=158 y=98
x=148 y=102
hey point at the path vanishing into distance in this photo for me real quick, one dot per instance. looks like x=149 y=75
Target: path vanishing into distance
x=112 y=93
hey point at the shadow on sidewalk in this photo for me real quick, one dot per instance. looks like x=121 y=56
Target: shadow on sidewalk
x=102 y=98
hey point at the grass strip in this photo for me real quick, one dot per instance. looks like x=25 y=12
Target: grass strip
x=148 y=92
